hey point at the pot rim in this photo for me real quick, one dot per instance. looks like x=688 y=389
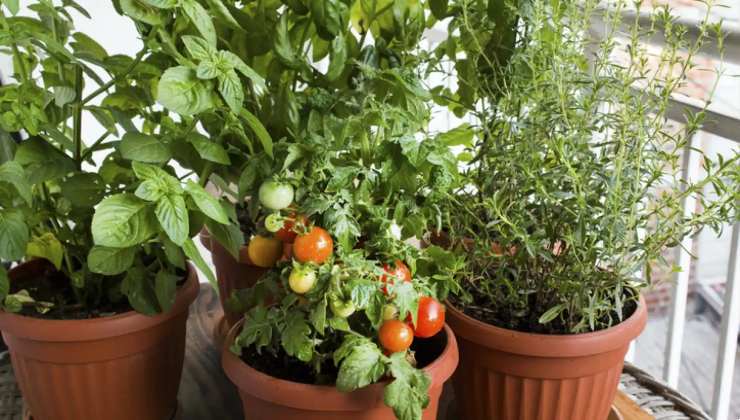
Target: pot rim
x=547 y=345
x=57 y=330
x=324 y=397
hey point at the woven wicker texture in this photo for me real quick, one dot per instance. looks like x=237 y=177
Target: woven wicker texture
x=656 y=398
x=11 y=404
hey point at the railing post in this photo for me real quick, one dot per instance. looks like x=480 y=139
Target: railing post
x=729 y=330
x=674 y=344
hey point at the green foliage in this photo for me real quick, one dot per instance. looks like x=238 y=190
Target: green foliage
x=573 y=183
x=113 y=231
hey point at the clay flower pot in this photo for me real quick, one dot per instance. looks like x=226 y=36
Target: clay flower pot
x=510 y=375
x=121 y=367
x=267 y=398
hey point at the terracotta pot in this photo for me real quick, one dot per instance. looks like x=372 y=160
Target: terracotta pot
x=122 y=367
x=233 y=275
x=267 y=398
x=510 y=375
x=205 y=239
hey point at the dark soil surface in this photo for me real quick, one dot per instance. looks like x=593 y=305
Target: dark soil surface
x=282 y=366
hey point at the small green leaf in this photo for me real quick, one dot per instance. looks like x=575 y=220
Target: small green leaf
x=192 y=252
x=408 y=394
x=259 y=130
x=257 y=331
x=166 y=181
x=198 y=47
x=143 y=148
x=42 y=161
x=229 y=236
x=462 y=135
x=12 y=6
x=122 y=221
x=174 y=253
x=208 y=204
x=181 y=91
x=551 y=313
x=46 y=246
x=338 y=57
x=139 y=289
x=438 y=8
x=150 y=190
x=83 y=189
x=88 y=49
x=110 y=261
x=295 y=338
x=13 y=174
x=63 y=95
x=201 y=19
x=165 y=288
x=283 y=47
x=223 y=14
x=231 y=89
x=208 y=149
x=258 y=82
x=173 y=217
x=161 y=4
x=406 y=299
x=141 y=11
x=14 y=235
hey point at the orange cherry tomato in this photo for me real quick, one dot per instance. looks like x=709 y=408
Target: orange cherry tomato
x=264 y=252
x=399 y=271
x=315 y=246
x=395 y=336
x=430 y=318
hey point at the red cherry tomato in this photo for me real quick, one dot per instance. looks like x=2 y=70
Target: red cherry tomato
x=395 y=336
x=315 y=246
x=399 y=270
x=430 y=319
x=287 y=234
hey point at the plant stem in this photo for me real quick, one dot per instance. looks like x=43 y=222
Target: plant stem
x=111 y=82
x=89 y=151
x=77 y=123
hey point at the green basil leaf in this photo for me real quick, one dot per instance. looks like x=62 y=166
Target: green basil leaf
x=46 y=246
x=258 y=82
x=209 y=150
x=88 y=49
x=138 y=10
x=173 y=217
x=198 y=47
x=192 y=252
x=259 y=130
x=42 y=161
x=338 y=57
x=12 y=173
x=12 y=6
x=181 y=91
x=164 y=180
x=143 y=148
x=161 y=4
x=63 y=95
x=83 y=189
x=438 y=8
x=139 y=290
x=123 y=220
x=14 y=235
x=231 y=89
x=229 y=236
x=209 y=205
x=201 y=19
x=165 y=288
x=223 y=14
x=110 y=261
x=150 y=190
x=283 y=47
x=462 y=135
x=174 y=253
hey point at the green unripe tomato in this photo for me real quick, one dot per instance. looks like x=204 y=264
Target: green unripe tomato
x=274 y=222
x=389 y=312
x=301 y=280
x=341 y=308
x=276 y=195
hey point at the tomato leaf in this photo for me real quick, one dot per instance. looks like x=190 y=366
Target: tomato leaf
x=408 y=394
x=360 y=363
x=295 y=337
x=257 y=331
x=12 y=173
x=406 y=299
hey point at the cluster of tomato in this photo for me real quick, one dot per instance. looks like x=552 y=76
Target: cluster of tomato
x=312 y=245
x=396 y=335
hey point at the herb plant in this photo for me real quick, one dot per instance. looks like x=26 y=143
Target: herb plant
x=116 y=233
x=320 y=108
x=574 y=181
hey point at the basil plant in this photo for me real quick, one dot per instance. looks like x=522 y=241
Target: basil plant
x=108 y=213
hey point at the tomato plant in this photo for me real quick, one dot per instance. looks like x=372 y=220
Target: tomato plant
x=302 y=279
x=275 y=195
x=398 y=271
x=395 y=336
x=315 y=246
x=287 y=233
